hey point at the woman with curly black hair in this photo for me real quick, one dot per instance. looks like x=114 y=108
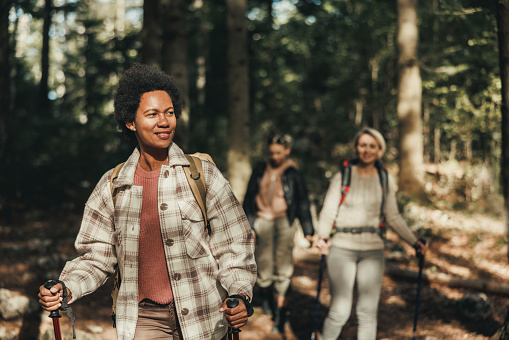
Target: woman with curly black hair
x=176 y=275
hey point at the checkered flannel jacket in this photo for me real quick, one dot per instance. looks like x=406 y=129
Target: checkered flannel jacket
x=203 y=269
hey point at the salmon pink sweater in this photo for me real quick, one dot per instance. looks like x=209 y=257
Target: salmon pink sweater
x=153 y=277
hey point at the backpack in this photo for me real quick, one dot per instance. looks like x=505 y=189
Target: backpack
x=346 y=174
x=198 y=187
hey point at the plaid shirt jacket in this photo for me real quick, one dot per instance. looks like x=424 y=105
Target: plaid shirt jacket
x=203 y=269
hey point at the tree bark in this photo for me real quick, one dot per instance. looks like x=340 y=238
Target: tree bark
x=239 y=166
x=503 y=48
x=5 y=83
x=120 y=18
x=409 y=101
x=43 y=84
x=437 y=154
x=175 y=60
x=426 y=134
x=151 y=33
x=202 y=48
x=453 y=150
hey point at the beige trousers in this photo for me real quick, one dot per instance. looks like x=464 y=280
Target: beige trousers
x=273 y=253
x=157 y=322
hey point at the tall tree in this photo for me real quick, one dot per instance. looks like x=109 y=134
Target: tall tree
x=409 y=100
x=151 y=33
x=43 y=85
x=175 y=59
x=503 y=48
x=120 y=18
x=239 y=166
x=5 y=84
x=202 y=56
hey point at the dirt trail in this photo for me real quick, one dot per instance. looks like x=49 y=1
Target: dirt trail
x=467 y=246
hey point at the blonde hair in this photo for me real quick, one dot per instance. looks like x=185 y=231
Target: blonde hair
x=376 y=135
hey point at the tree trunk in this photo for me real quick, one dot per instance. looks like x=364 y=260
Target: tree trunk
x=202 y=44
x=426 y=134
x=43 y=85
x=468 y=146
x=5 y=83
x=175 y=60
x=437 y=155
x=409 y=101
x=452 y=152
x=375 y=112
x=120 y=18
x=239 y=166
x=503 y=48
x=151 y=33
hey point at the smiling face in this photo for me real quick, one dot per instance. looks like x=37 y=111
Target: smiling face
x=155 y=122
x=367 y=149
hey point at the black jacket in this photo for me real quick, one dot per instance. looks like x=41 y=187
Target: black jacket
x=296 y=197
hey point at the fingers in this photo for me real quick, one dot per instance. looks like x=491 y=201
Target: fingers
x=51 y=299
x=236 y=316
x=421 y=248
x=309 y=238
x=323 y=246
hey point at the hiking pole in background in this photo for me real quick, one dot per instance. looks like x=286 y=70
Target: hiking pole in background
x=233 y=333
x=55 y=315
x=419 y=280
x=317 y=302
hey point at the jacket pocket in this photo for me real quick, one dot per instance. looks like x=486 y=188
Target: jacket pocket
x=194 y=228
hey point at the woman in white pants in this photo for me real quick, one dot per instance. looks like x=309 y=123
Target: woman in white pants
x=356 y=249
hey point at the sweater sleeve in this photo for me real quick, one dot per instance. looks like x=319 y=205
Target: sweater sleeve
x=330 y=207
x=394 y=218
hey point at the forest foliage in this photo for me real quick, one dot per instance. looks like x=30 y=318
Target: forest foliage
x=318 y=70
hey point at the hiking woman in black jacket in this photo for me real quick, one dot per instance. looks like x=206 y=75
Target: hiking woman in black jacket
x=276 y=195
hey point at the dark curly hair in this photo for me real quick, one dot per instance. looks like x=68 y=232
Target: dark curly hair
x=136 y=81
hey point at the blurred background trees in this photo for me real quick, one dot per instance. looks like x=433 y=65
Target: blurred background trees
x=316 y=69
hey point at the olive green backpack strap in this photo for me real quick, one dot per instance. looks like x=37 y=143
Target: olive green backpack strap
x=196 y=180
x=114 y=176
x=116 y=282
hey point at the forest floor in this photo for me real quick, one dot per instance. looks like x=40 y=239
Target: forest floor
x=466 y=245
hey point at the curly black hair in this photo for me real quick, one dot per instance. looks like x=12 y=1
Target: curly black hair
x=136 y=81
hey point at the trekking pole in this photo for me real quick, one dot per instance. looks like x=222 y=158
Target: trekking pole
x=233 y=333
x=317 y=301
x=419 y=280
x=55 y=315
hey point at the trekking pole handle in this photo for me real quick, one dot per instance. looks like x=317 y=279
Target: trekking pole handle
x=53 y=313
x=231 y=303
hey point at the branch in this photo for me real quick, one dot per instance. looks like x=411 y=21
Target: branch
x=451 y=281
